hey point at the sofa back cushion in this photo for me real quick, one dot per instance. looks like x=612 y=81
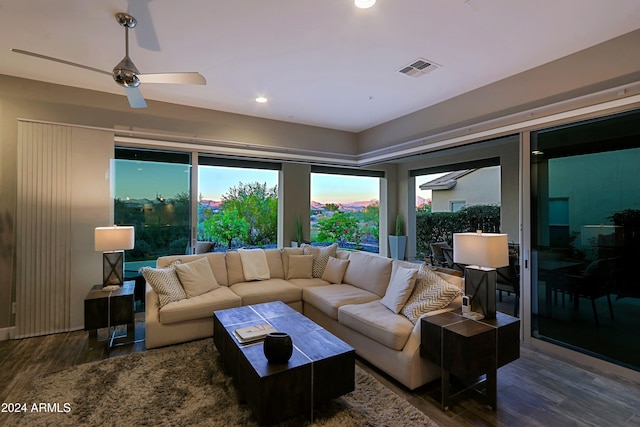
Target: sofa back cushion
x=274 y=259
x=369 y=272
x=286 y=252
x=216 y=262
x=234 y=268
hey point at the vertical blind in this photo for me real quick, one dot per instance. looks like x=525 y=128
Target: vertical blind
x=43 y=225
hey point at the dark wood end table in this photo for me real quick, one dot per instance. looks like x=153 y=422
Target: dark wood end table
x=108 y=309
x=321 y=367
x=469 y=349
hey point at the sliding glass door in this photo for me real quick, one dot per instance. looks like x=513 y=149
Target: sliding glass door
x=585 y=203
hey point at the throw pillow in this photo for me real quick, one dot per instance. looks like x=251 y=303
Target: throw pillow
x=334 y=271
x=196 y=277
x=286 y=253
x=321 y=255
x=430 y=293
x=165 y=283
x=300 y=267
x=400 y=286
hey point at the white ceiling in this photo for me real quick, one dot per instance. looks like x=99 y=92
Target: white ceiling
x=320 y=62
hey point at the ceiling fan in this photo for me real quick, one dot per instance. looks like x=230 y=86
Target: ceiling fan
x=125 y=73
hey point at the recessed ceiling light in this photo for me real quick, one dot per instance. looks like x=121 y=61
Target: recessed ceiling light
x=261 y=100
x=364 y=4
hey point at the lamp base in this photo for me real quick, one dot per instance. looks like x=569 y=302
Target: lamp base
x=112 y=268
x=480 y=286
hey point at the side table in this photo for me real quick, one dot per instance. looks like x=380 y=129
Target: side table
x=108 y=309
x=469 y=349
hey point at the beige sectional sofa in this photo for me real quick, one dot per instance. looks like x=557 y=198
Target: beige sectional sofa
x=354 y=307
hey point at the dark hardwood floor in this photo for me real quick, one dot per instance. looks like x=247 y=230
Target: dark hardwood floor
x=535 y=390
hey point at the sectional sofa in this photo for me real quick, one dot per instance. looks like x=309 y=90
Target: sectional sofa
x=371 y=302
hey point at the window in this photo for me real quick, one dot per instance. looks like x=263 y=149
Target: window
x=237 y=204
x=152 y=192
x=456 y=198
x=457 y=205
x=345 y=208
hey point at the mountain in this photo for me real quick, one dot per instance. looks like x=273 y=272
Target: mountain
x=420 y=201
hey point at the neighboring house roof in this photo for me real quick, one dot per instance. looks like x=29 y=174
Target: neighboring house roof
x=445 y=182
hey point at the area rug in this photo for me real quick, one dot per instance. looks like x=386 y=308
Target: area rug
x=184 y=385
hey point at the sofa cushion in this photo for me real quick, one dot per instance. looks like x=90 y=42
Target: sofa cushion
x=334 y=271
x=321 y=255
x=267 y=291
x=165 y=283
x=377 y=322
x=369 y=272
x=286 y=253
x=254 y=264
x=216 y=261
x=199 y=307
x=307 y=283
x=430 y=293
x=274 y=259
x=196 y=277
x=300 y=267
x=234 y=267
x=329 y=298
x=400 y=286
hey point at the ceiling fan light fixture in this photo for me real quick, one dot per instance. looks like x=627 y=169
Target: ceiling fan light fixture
x=364 y=4
x=261 y=100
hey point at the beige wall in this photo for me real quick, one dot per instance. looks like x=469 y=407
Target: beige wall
x=482 y=186
x=598 y=68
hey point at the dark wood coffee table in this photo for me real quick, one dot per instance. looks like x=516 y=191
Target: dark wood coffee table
x=322 y=366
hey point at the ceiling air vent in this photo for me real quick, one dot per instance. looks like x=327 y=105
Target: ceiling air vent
x=418 y=68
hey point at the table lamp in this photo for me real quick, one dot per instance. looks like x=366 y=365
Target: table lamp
x=483 y=253
x=113 y=241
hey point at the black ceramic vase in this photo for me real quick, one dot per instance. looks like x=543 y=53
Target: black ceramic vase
x=278 y=347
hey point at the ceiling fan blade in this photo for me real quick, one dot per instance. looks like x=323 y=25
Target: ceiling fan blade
x=145 y=34
x=135 y=97
x=193 y=78
x=62 y=61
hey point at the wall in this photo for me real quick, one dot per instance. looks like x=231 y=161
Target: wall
x=606 y=65
x=481 y=186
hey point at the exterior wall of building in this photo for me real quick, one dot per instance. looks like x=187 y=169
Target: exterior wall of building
x=482 y=186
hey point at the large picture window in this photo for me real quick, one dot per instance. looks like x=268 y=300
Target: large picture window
x=152 y=192
x=345 y=209
x=237 y=204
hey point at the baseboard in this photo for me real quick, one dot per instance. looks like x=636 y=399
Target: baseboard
x=7 y=333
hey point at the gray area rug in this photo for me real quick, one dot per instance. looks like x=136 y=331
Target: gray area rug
x=184 y=385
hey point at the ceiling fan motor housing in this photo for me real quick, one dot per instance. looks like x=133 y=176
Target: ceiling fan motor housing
x=125 y=73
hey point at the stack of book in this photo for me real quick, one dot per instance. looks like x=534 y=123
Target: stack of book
x=253 y=333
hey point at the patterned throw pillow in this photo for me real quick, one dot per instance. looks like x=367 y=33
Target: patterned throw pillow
x=165 y=283
x=321 y=256
x=430 y=293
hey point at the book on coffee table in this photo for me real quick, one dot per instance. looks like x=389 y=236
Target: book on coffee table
x=253 y=333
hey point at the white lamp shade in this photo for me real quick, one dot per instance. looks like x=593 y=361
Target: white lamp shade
x=481 y=249
x=114 y=238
